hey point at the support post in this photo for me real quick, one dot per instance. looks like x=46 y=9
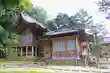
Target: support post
x=87 y=55
x=36 y=46
x=32 y=51
x=77 y=48
x=21 y=51
x=26 y=50
x=16 y=49
x=50 y=49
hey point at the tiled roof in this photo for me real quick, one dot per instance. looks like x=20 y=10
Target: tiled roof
x=64 y=31
x=60 y=32
x=29 y=19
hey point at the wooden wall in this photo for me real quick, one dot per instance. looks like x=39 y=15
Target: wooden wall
x=26 y=38
x=60 y=51
x=47 y=51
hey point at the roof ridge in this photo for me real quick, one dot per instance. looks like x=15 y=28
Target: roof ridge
x=30 y=19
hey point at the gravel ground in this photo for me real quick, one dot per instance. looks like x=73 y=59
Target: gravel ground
x=58 y=69
x=45 y=70
x=18 y=65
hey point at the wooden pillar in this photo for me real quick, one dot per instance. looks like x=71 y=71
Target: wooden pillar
x=36 y=46
x=77 y=48
x=87 y=53
x=50 y=47
x=16 y=49
x=21 y=49
x=26 y=50
x=32 y=51
x=77 y=45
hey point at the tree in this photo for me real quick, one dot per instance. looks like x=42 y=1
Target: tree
x=39 y=14
x=83 y=18
x=80 y=20
x=51 y=25
x=98 y=30
x=61 y=20
x=8 y=10
x=104 y=5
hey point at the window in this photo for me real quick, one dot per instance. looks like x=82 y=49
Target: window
x=59 y=45
x=62 y=45
x=65 y=44
x=71 y=44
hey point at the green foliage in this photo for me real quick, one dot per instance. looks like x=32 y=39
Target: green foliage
x=104 y=5
x=39 y=14
x=96 y=49
x=8 y=11
x=51 y=25
x=80 y=20
x=16 y=5
x=83 y=18
x=61 y=19
x=98 y=29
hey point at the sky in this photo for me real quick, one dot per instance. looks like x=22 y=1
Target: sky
x=71 y=7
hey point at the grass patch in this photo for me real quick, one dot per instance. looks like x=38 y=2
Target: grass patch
x=3 y=61
x=14 y=62
x=24 y=72
x=64 y=62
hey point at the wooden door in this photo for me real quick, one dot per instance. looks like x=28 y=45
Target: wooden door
x=47 y=51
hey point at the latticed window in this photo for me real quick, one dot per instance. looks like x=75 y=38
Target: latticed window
x=63 y=45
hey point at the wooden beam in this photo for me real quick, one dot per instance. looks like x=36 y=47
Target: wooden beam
x=77 y=48
x=77 y=45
